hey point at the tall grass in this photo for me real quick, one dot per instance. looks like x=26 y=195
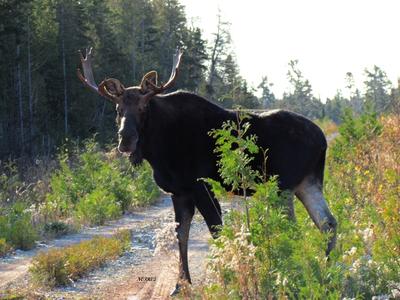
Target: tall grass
x=278 y=258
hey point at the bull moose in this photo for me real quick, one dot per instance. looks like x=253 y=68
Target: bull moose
x=170 y=131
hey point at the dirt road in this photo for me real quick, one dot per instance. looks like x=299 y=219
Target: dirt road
x=138 y=274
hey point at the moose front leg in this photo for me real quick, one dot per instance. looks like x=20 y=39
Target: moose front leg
x=184 y=211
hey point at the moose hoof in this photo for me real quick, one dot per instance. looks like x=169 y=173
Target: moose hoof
x=176 y=290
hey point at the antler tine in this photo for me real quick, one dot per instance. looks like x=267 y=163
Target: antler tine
x=87 y=78
x=174 y=72
x=176 y=60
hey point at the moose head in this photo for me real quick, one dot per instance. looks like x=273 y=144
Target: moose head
x=131 y=102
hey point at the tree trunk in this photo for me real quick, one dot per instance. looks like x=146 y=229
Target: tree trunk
x=64 y=73
x=133 y=51
x=30 y=96
x=142 y=44
x=19 y=96
x=214 y=59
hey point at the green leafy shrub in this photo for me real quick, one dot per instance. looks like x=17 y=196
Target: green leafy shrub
x=235 y=149
x=97 y=207
x=63 y=266
x=16 y=227
x=145 y=190
x=354 y=131
x=95 y=187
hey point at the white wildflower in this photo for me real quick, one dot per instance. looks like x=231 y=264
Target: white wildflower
x=284 y=281
x=352 y=251
x=370 y=263
x=278 y=279
x=355 y=266
x=395 y=293
x=367 y=235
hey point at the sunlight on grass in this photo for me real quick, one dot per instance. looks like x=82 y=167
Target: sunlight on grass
x=63 y=266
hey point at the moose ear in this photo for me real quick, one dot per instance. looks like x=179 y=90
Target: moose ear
x=150 y=77
x=114 y=87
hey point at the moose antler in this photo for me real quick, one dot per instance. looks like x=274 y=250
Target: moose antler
x=88 y=79
x=174 y=72
x=113 y=89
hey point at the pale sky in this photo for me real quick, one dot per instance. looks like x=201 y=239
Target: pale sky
x=329 y=38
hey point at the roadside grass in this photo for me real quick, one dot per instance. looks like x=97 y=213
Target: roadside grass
x=84 y=186
x=5 y=248
x=16 y=228
x=63 y=266
x=263 y=255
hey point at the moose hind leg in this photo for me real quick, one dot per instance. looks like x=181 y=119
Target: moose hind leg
x=310 y=194
x=184 y=211
x=210 y=209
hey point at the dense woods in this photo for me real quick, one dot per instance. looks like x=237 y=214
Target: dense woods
x=42 y=102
